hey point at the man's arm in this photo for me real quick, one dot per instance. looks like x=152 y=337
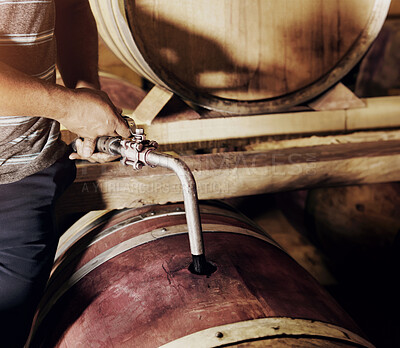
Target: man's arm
x=86 y=112
x=77 y=48
x=77 y=43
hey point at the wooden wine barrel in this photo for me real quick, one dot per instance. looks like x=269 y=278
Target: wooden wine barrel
x=357 y=227
x=121 y=279
x=239 y=56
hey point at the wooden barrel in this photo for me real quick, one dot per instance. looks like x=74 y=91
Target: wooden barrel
x=121 y=279
x=239 y=56
x=357 y=227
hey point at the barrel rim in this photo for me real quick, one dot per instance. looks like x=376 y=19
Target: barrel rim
x=96 y=219
x=266 y=328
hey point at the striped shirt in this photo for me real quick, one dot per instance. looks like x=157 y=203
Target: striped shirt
x=27 y=43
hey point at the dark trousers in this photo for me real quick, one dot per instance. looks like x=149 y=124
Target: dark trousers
x=28 y=242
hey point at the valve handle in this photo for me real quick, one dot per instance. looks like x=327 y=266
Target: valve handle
x=131 y=124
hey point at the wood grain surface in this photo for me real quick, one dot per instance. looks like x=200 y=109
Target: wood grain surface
x=252 y=51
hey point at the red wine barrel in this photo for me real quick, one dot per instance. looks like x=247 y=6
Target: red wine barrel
x=240 y=56
x=121 y=279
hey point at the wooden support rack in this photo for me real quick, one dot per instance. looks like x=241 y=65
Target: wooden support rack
x=359 y=158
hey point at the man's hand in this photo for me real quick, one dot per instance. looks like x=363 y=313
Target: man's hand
x=109 y=123
x=91 y=114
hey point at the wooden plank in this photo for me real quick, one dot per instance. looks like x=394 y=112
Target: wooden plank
x=151 y=105
x=382 y=112
x=357 y=137
x=224 y=175
x=238 y=127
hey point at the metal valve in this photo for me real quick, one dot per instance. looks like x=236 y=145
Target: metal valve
x=133 y=150
x=134 y=153
x=131 y=124
x=137 y=152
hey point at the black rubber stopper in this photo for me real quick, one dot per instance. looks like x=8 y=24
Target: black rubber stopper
x=201 y=266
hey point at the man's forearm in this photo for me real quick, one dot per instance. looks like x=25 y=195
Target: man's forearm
x=22 y=95
x=86 y=112
x=77 y=43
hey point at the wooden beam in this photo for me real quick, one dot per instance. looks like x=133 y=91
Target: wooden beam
x=356 y=137
x=382 y=112
x=234 y=174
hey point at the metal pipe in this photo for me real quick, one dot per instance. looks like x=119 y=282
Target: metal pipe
x=190 y=199
x=138 y=154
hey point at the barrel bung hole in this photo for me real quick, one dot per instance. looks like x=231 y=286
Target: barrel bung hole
x=201 y=266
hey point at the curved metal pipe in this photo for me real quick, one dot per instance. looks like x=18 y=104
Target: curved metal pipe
x=190 y=199
x=137 y=155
